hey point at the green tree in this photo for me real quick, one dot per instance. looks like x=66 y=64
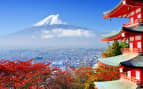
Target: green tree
x=123 y=44
x=116 y=49
x=109 y=48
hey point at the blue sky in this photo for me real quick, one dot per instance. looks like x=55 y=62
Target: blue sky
x=16 y=15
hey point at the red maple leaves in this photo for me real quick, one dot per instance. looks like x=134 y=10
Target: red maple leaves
x=106 y=73
x=19 y=74
x=26 y=75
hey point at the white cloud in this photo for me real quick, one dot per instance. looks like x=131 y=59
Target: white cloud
x=47 y=36
x=50 y=20
x=33 y=37
x=66 y=33
x=74 y=33
x=45 y=31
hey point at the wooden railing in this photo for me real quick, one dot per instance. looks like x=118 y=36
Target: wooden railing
x=131 y=79
x=130 y=50
x=127 y=24
x=137 y=21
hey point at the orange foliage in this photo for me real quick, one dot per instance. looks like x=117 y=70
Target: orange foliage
x=18 y=74
x=105 y=54
x=104 y=73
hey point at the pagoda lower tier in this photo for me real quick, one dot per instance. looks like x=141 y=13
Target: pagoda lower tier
x=134 y=36
x=134 y=69
x=129 y=65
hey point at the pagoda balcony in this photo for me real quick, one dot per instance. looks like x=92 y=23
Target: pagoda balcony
x=131 y=79
x=135 y=23
x=130 y=50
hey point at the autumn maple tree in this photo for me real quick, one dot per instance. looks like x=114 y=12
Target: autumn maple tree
x=28 y=75
x=105 y=73
x=20 y=75
x=76 y=78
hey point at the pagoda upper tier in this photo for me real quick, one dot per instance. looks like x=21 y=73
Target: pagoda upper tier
x=132 y=9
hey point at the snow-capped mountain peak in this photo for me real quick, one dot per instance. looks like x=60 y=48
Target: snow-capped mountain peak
x=50 y=20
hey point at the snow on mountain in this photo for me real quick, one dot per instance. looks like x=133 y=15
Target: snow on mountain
x=50 y=20
x=58 y=31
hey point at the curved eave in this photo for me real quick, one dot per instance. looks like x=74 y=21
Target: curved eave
x=138 y=29
x=136 y=62
x=108 y=12
x=111 y=36
x=122 y=10
x=118 y=36
x=116 y=60
x=131 y=66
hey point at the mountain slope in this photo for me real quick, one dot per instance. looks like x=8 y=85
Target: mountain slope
x=53 y=32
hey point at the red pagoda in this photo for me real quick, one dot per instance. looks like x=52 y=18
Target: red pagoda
x=130 y=63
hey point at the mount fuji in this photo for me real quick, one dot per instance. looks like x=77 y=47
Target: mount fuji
x=52 y=32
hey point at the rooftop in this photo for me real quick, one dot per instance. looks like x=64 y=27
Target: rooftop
x=137 y=29
x=111 y=34
x=117 y=84
x=123 y=9
x=116 y=60
x=135 y=62
x=126 y=30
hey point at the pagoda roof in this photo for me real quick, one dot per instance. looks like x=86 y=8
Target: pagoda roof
x=137 y=29
x=123 y=9
x=116 y=60
x=136 y=62
x=112 y=36
x=107 y=12
x=115 y=33
x=116 y=84
x=118 y=36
